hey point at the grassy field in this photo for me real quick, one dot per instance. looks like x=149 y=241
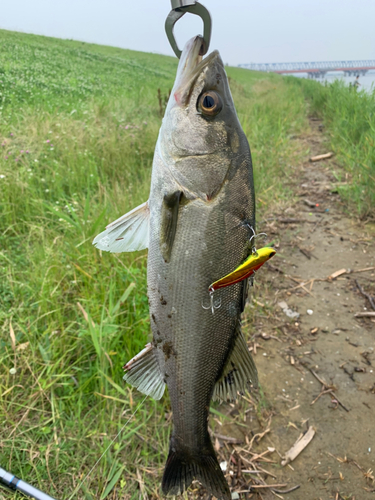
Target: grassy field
x=349 y=117
x=78 y=125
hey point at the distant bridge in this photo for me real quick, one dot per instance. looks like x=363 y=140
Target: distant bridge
x=314 y=69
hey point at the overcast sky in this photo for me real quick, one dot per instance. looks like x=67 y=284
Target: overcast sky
x=244 y=31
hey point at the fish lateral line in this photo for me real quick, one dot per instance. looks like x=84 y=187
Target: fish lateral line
x=244 y=270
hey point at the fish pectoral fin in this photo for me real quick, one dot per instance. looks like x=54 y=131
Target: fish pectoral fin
x=169 y=216
x=143 y=372
x=239 y=372
x=128 y=233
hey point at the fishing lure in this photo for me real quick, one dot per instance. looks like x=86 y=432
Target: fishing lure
x=244 y=270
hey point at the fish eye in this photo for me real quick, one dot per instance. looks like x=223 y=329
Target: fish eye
x=210 y=103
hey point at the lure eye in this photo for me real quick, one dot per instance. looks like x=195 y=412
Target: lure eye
x=210 y=103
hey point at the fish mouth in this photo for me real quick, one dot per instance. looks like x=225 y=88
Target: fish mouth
x=190 y=66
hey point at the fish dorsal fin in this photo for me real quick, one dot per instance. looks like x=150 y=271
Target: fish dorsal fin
x=143 y=372
x=128 y=233
x=239 y=372
x=169 y=216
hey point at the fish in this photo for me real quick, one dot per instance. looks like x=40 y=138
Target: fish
x=197 y=225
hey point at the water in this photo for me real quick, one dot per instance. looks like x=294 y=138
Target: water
x=367 y=81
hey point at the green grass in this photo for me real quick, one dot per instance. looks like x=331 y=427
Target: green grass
x=78 y=125
x=349 y=116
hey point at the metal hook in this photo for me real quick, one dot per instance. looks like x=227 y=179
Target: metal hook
x=213 y=305
x=179 y=8
x=255 y=236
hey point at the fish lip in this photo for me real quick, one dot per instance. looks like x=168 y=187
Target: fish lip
x=204 y=62
x=190 y=67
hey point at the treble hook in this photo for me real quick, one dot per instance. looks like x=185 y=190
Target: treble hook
x=179 y=8
x=254 y=237
x=213 y=306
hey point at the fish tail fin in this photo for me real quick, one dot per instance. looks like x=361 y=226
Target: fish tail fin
x=182 y=468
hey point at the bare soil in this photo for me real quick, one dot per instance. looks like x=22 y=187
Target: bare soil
x=315 y=370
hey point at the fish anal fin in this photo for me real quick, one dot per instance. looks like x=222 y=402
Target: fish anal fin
x=128 y=233
x=169 y=216
x=143 y=372
x=239 y=372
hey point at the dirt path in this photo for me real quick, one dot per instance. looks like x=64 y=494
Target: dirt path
x=326 y=340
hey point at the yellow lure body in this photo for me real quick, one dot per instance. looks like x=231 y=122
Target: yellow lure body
x=246 y=269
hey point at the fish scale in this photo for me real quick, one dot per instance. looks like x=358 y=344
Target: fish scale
x=200 y=339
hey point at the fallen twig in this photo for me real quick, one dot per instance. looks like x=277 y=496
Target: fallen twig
x=255 y=456
x=294 y=221
x=261 y=456
x=336 y=274
x=362 y=270
x=317 y=222
x=298 y=446
x=325 y=386
x=319 y=379
x=274 y=268
x=287 y=221
x=272 y=487
x=309 y=203
x=227 y=438
x=321 y=394
x=296 y=280
x=325 y=156
x=260 y=435
x=339 y=402
x=290 y=489
x=300 y=285
x=305 y=252
x=368 y=314
x=266 y=471
x=365 y=294
x=268 y=485
x=147 y=441
x=265 y=336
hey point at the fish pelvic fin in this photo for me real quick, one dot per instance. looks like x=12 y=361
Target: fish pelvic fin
x=239 y=372
x=143 y=372
x=182 y=468
x=128 y=233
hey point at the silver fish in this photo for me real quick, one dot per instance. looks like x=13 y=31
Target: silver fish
x=197 y=225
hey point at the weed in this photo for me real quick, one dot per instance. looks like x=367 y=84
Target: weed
x=349 y=117
x=78 y=126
